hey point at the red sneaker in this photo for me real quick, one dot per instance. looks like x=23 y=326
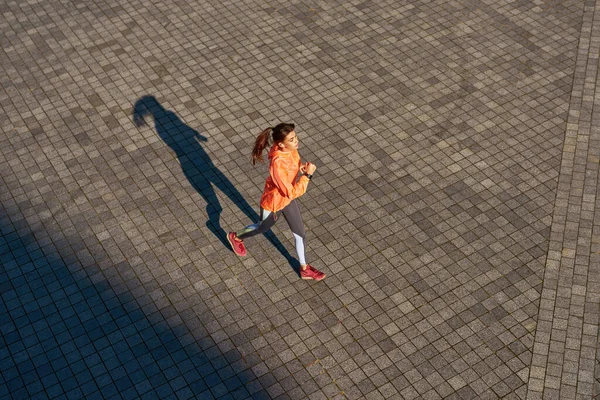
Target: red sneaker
x=311 y=273
x=236 y=244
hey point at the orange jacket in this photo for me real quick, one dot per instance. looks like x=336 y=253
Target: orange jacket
x=283 y=184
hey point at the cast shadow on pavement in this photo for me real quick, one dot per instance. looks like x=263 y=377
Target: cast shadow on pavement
x=199 y=169
x=69 y=331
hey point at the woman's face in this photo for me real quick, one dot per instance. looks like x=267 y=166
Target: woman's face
x=290 y=142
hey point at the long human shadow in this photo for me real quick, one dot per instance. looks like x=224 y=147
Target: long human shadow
x=199 y=169
x=69 y=332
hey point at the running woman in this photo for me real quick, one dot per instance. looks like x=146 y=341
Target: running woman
x=287 y=180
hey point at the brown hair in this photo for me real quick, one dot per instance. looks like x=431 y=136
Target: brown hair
x=279 y=132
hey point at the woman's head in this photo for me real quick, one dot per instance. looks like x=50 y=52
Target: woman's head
x=283 y=135
x=281 y=131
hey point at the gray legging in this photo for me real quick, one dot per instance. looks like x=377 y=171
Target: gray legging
x=291 y=212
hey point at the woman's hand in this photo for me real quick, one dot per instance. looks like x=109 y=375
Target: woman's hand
x=309 y=168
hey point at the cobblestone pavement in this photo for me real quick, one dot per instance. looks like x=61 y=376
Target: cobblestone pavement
x=454 y=208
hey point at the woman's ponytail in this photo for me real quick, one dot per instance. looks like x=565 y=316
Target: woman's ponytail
x=262 y=141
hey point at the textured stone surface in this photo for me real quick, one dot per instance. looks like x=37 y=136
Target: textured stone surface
x=454 y=207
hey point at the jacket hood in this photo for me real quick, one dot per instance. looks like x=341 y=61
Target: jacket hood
x=276 y=152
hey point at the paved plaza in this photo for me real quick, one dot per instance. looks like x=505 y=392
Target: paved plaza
x=455 y=209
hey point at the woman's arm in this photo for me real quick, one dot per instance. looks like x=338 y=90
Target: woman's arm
x=285 y=177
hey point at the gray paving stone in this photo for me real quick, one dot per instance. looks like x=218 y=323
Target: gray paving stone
x=454 y=208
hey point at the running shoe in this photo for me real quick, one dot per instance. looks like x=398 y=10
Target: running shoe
x=236 y=244
x=311 y=273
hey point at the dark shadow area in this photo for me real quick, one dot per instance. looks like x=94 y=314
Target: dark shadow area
x=69 y=332
x=199 y=169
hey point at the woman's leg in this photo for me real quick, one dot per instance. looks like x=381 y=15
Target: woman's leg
x=236 y=240
x=267 y=220
x=294 y=219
